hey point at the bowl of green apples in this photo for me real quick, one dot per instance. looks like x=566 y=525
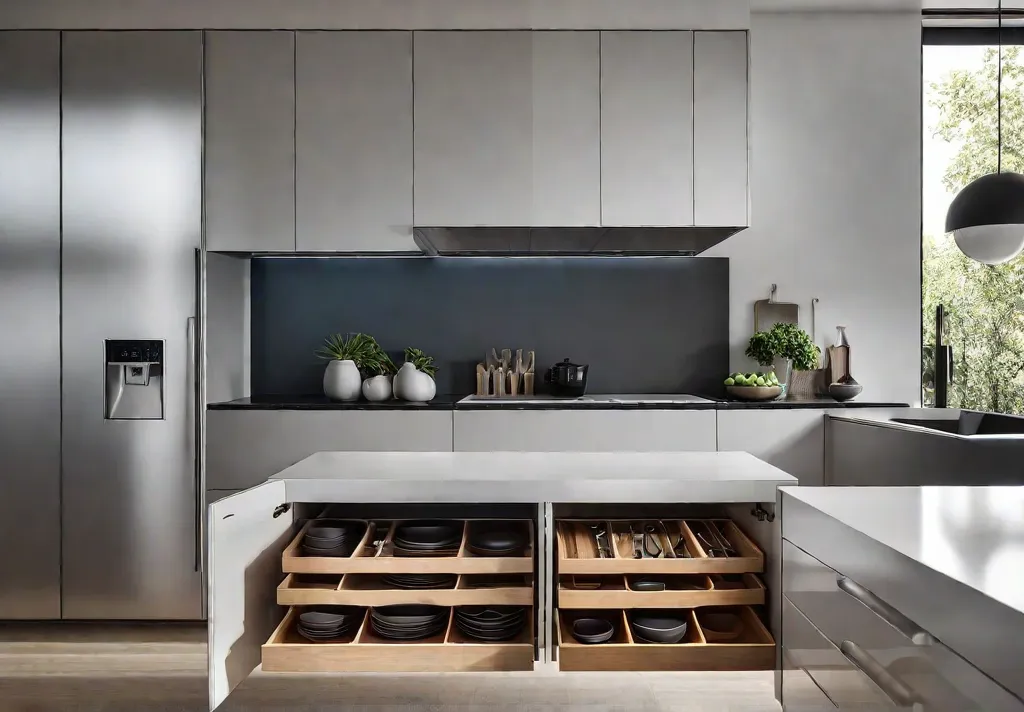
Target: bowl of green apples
x=757 y=386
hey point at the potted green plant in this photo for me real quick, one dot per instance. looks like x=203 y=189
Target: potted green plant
x=345 y=355
x=415 y=379
x=378 y=371
x=787 y=343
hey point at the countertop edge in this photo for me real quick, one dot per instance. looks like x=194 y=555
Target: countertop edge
x=476 y=407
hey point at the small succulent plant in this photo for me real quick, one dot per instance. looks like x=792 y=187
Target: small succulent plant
x=421 y=361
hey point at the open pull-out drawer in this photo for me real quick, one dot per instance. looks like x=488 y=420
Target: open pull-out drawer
x=681 y=591
x=364 y=651
x=375 y=554
x=375 y=590
x=692 y=546
x=751 y=649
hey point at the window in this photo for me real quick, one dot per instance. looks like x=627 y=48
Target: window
x=985 y=305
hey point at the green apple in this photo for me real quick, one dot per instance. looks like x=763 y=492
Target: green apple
x=740 y=380
x=761 y=381
x=730 y=381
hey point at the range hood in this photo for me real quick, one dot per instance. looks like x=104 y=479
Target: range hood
x=566 y=241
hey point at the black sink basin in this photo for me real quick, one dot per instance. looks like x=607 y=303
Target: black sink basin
x=971 y=423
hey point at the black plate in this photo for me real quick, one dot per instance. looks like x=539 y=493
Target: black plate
x=492 y=552
x=412 y=553
x=498 y=539
x=428 y=531
x=418 y=634
x=510 y=627
x=443 y=544
x=490 y=637
x=408 y=613
x=489 y=613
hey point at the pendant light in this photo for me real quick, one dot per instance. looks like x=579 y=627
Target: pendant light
x=987 y=216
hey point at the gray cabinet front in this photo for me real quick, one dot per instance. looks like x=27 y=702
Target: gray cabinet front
x=353 y=141
x=474 y=128
x=250 y=141
x=647 y=128
x=720 y=129
x=30 y=323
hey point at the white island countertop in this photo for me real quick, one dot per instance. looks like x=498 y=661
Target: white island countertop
x=532 y=477
x=949 y=558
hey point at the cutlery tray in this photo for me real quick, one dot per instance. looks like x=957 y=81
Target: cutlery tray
x=681 y=591
x=578 y=551
x=371 y=590
x=753 y=649
x=363 y=651
x=370 y=559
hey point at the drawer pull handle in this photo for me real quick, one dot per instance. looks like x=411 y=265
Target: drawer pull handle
x=895 y=690
x=907 y=628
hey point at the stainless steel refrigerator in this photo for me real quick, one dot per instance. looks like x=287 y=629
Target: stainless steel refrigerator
x=116 y=526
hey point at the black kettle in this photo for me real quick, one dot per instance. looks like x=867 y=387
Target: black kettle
x=567 y=379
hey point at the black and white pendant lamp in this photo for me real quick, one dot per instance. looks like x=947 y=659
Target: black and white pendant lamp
x=987 y=216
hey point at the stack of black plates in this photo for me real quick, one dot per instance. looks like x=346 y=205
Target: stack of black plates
x=409 y=622
x=427 y=538
x=421 y=581
x=490 y=623
x=332 y=538
x=497 y=539
x=328 y=622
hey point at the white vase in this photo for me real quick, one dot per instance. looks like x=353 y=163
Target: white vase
x=414 y=385
x=377 y=388
x=342 y=381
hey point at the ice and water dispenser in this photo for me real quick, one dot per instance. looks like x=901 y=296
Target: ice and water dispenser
x=134 y=382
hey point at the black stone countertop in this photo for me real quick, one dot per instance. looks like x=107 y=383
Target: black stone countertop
x=450 y=402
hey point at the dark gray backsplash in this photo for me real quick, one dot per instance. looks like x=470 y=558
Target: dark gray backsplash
x=644 y=324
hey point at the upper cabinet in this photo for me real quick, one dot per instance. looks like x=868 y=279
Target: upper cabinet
x=250 y=141
x=720 y=149
x=674 y=129
x=507 y=128
x=647 y=128
x=353 y=141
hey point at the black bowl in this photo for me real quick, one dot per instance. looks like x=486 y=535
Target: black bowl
x=659 y=626
x=497 y=539
x=408 y=614
x=592 y=630
x=647 y=586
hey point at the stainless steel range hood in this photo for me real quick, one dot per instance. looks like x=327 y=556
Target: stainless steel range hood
x=563 y=241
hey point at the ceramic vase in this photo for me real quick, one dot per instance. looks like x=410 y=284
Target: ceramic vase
x=377 y=388
x=342 y=380
x=414 y=385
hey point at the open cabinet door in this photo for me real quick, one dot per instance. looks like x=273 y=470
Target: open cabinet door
x=245 y=544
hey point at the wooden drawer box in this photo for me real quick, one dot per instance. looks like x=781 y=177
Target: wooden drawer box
x=754 y=649
x=682 y=591
x=578 y=551
x=371 y=590
x=370 y=559
x=363 y=651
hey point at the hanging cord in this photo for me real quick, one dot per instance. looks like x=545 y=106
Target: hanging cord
x=999 y=93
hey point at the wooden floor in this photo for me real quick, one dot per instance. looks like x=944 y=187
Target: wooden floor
x=91 y=668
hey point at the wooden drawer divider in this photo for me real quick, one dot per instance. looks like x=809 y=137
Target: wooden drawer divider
x=754 y=650
x=367 y=559
x=615 y=592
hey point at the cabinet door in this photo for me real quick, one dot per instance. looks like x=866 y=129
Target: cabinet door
x=720 y=129
x=246 y=539
x=353 y=141
x=566 y=129
x=30 y=321
x=250 y=141
x=646 y=128
x=474 y=128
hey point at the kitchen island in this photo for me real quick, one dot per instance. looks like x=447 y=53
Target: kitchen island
x=250 y=532
x=903 y=596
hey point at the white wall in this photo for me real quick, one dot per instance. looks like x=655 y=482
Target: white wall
x=836 y=188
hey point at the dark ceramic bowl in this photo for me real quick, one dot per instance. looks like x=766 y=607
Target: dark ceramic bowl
x=592 y=630
x=659 y=626
x=844 y=391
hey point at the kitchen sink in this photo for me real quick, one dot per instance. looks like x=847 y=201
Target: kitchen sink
x=971 y=423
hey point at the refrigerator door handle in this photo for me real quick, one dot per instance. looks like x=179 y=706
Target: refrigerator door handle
x=193 y=410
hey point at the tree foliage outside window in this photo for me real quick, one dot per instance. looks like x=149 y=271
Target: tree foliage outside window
x=985 y=325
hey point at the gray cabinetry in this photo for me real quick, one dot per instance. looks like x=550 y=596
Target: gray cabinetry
x=720 y=129
x=474 y=128
x=507 y=128
x=647 y=128
x=30 y=323
x=250 y=141
x=353 y=134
